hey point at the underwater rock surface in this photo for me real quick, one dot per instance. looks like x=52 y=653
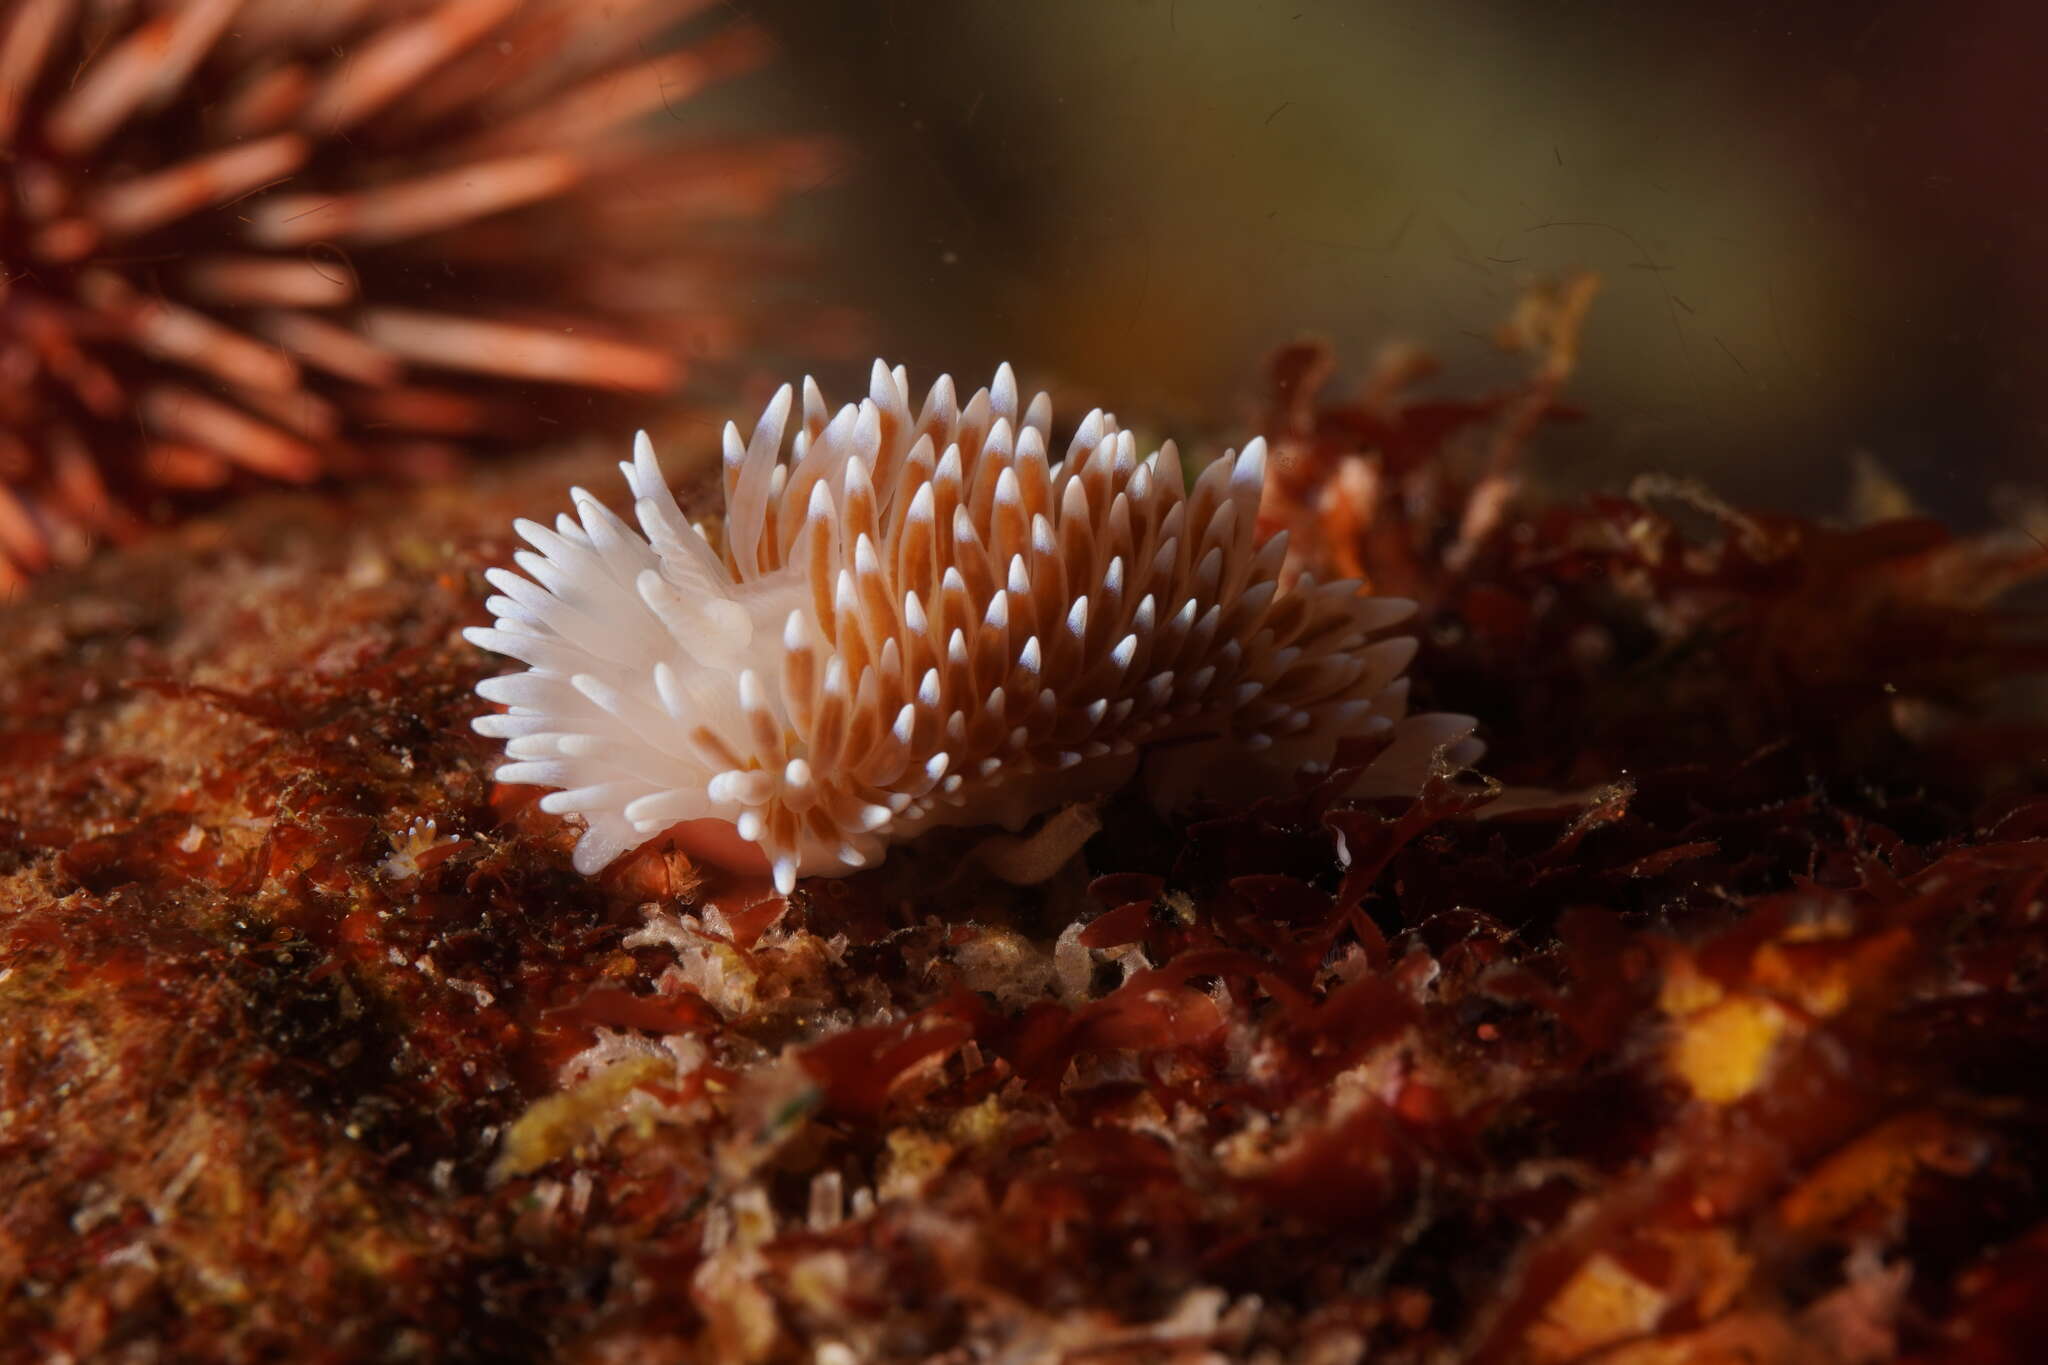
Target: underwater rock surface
x=1719 y=1038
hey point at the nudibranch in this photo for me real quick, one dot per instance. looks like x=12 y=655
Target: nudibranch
x=920 y=618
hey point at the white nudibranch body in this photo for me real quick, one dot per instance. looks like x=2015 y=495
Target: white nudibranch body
x=920 y=618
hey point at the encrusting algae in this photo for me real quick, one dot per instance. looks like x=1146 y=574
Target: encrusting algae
x=1735 y=1056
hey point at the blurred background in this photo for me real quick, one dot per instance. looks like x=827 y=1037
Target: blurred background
x=1819 y=226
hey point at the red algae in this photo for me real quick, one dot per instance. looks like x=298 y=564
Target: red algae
x=1705 y=1025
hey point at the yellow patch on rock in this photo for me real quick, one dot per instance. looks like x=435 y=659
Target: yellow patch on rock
x=1601 y=1304
x=557 y=1125
x=1721 y=1052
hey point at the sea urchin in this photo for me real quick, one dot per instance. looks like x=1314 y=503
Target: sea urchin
x=281 y=239
x=916 y=620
